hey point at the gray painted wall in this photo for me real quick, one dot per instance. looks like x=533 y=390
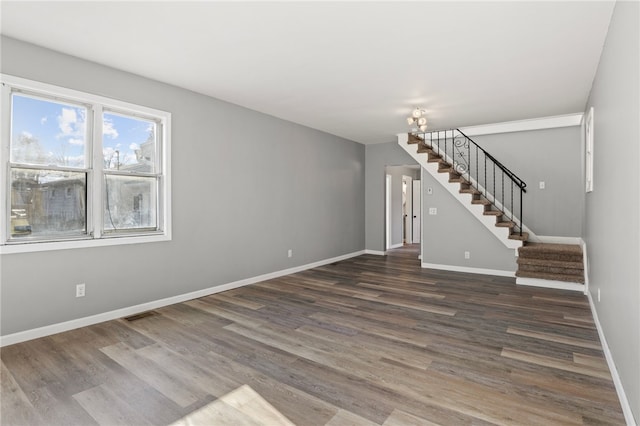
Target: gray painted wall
x=612 y=228
x=379 y=156
x=246 y=188
x=553 y=156
x=454 y=230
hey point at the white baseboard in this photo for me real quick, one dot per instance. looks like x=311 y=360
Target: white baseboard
x=48 y=330
x=624 y=401
x=393 y=246
x=558 y=285
x=469 y=270
x=376 y=252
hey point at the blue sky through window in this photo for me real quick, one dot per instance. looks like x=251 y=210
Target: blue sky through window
x=47 y=132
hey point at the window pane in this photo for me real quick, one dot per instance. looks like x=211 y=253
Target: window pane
x=47 y=132
x=47 y=204
x=128 y=143
x=130 y=203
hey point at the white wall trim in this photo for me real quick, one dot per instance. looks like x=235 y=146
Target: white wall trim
x=48 y=330
x=585 y=265
x=394 y=246
x=375 y=252
x=469 y=270
x=560 y=240
x=624 y=401
x=558 y=285
x=541 y=123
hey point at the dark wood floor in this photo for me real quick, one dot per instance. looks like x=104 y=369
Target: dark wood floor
x=369 y=340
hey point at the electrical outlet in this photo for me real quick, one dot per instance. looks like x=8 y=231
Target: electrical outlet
x=542 y=185
x=433 y=211
x=467 y=255
x=290 y=253
x=80 y=290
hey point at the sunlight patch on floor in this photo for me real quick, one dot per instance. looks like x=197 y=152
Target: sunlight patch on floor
x=240 y=407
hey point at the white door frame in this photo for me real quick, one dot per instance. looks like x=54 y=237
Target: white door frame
x=407 y=211
x=387 y=208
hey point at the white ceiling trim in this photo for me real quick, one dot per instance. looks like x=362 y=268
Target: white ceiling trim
x=565 y=120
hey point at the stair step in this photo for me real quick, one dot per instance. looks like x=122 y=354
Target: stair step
x=422 y=148
x=550 y=276
x=458 y=180
x=414 y=138
x=569 y=264
x=506 y=224
x=492 y=213
x=482 y=201
x=545 y=269
x=517 y=236
x=470 y=191
x=433 y=159
x=546 y=251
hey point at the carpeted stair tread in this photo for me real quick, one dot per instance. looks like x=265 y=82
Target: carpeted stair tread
x=517 y=236
x=414 y=139
x=550 y=263
x=545 y=251
x=505 y=224
x=458 y=180
x=550 y=276
x=558 y=262
x=470 y=191
x=552 y=248
x=482 y=201
x=564 y=270
x=492 y=213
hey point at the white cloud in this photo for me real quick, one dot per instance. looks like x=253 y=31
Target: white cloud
x=108 y=129
x=134 y=146
x=26 y=135
x=67 y=121
x=43 y=120
x=74 y=141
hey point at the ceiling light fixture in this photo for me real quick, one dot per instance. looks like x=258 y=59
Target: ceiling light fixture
x=418 y=119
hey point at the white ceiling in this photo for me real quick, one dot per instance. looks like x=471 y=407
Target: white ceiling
x=353 y=69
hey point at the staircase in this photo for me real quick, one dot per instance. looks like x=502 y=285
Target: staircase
x=466 y=187
x=493 y=193
x=541 y=263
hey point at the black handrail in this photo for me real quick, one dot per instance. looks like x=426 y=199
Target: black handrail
x=463 y=165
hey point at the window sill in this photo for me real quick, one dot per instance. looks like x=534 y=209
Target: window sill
x=14 y=248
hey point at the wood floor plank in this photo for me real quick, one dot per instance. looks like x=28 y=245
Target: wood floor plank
x=554 y=338
x=107 y=408
x=368 y=340
x=152 y=374
x=15 y=407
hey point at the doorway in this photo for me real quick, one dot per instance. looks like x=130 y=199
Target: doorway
x=402 y=206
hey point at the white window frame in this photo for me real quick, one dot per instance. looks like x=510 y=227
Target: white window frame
x=94 y=237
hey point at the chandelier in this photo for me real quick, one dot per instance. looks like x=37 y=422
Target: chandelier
x=418 y=119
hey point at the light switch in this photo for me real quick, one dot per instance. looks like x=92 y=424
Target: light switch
x=542 y=185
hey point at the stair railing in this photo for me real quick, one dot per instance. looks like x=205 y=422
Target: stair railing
x=495 y=182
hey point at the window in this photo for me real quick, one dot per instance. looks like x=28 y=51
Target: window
x=81 y=170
